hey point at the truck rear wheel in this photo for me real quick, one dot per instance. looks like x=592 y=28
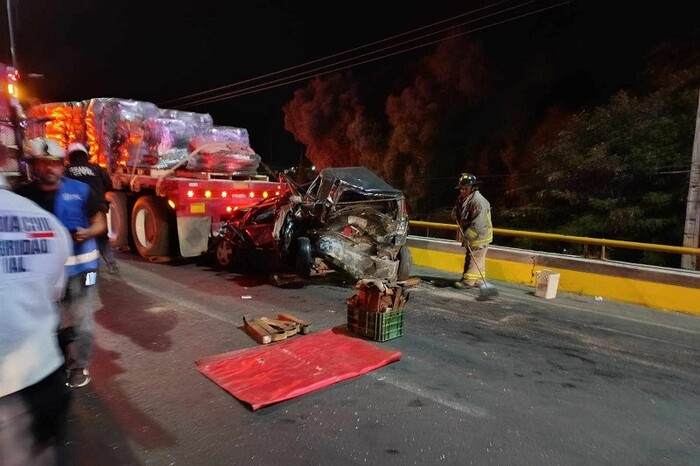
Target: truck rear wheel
x=117 y=220
x=150 y=227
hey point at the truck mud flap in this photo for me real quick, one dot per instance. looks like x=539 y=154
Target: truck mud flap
x=193 y=233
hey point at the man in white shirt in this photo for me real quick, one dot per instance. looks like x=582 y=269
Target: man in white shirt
x=34 y=398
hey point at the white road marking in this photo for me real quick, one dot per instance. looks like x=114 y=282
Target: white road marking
x=465 y=408
x=180 y=302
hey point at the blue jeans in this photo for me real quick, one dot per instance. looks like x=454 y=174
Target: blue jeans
x=78 y=309
x=106 y=251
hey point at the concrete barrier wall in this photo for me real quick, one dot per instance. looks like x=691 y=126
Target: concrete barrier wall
x=655 y=287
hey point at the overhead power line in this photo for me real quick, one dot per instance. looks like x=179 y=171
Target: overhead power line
x=336 y=66
x=316 y=72
x=339 y=54
x=345 y=52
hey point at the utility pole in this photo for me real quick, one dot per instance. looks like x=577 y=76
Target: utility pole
x=691 y=233
x=12 y=34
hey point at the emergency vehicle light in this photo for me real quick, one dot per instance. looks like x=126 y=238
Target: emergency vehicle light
x=224 y=194
x=12 y=78
x=171 y=203
x=251 y=194
x=207 y=194
x=190 y=193
x=265 y=194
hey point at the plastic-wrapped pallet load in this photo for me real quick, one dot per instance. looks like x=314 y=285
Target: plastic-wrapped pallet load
x=200 y=121
x=51 y=120
x=116 y=127
x=223 y=149
x=220 y=134
x=166 y=141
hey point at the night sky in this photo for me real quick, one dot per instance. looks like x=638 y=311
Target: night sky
x=161 y=50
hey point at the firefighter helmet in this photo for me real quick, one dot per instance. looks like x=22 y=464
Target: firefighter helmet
x=466 y=179
x=44 y=148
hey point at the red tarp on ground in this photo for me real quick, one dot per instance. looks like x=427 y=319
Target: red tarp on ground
x=295 y=366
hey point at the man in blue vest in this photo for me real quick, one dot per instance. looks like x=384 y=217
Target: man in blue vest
x=77 y=206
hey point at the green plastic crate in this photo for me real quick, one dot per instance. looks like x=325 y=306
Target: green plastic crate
x=379 y=326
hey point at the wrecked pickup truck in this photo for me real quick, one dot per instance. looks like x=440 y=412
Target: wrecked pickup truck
x=349 y=220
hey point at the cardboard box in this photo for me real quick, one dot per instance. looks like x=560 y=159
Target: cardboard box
x=546 y=284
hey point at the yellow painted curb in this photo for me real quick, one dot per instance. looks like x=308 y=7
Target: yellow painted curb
x=663 y=296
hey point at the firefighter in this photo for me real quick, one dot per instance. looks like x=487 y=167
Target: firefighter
x=472 y=212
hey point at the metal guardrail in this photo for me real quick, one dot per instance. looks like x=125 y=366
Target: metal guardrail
x=584 y=240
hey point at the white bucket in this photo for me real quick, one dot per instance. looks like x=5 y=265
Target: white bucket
x=546 y=284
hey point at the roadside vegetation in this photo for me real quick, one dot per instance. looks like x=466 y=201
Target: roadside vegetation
x=617 y=168
x=620 y=170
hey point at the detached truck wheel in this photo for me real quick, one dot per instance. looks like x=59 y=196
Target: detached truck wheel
x=303 y=264
x=150 y=227
x=405 y=263
x=117 y=220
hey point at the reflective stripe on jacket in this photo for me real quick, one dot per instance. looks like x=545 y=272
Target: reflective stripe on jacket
x=70 y=208
x=475 y=219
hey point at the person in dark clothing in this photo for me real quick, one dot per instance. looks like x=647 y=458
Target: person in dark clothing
x=78 y=208
x=79 y=168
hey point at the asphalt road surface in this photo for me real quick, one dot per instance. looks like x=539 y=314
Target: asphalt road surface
x=516 y=380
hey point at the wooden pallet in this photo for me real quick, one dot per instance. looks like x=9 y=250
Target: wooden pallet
x=265 y=330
